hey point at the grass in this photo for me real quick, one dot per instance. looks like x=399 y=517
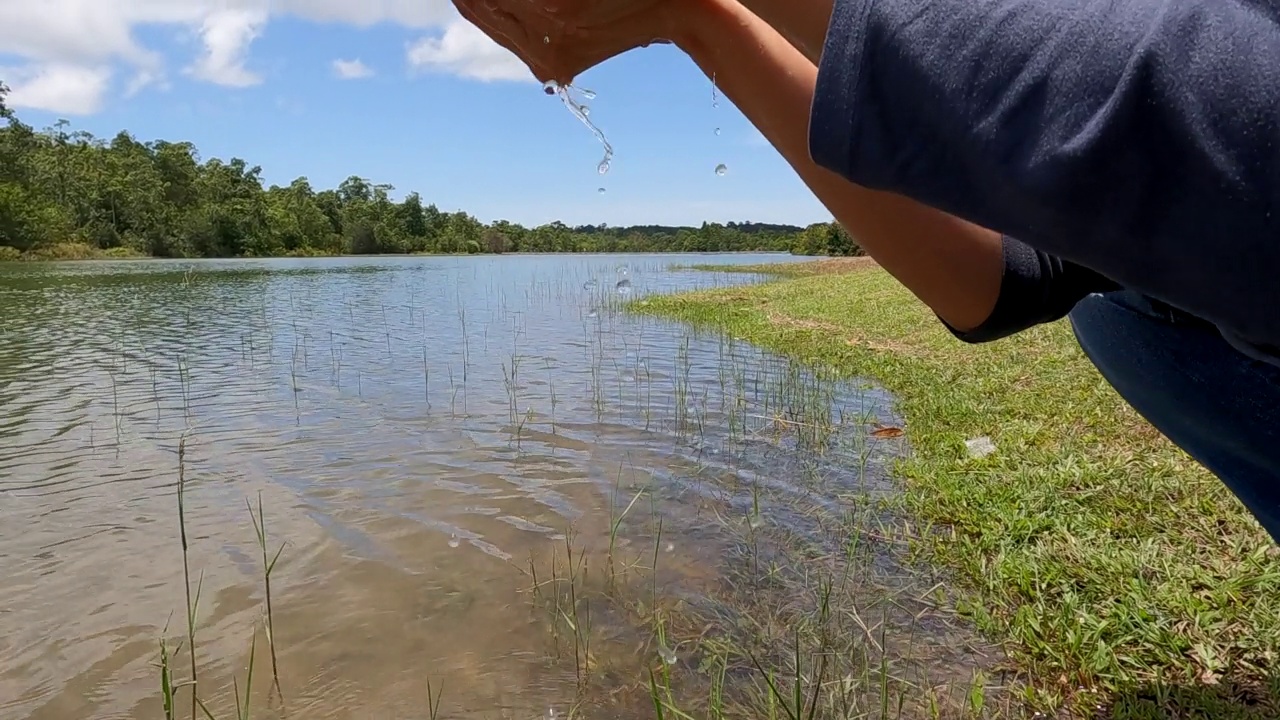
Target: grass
x=1114 y=571
x=830 y=266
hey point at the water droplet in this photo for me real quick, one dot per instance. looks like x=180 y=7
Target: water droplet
x=671 y=547
x=591 y=284
x=601 y=191
x=593 y=313
x=454 y=541
x=623 y=270
x=586 y=111
x=721 y=169
x=717 y=131
x=603 y=167
x=546 y=39
x=623 y=287
x=756 y=520
x=588 y=94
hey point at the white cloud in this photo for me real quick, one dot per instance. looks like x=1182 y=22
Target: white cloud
x=226 y=35
x=65 y=89
x=71 y=51
x=465 y=51
x=351 y=69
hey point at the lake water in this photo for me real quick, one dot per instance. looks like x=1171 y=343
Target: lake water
x=437 y=441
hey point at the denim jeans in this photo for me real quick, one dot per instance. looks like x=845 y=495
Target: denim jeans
x=1219 y=405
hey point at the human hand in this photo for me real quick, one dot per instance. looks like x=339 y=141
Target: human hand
x=559 y=39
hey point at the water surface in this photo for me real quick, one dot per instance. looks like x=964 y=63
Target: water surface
x=421 y=432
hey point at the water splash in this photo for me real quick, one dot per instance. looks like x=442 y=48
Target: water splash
x=581 y=112
x=667 y=654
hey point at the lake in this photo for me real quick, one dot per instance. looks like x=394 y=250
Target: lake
x=491 y=481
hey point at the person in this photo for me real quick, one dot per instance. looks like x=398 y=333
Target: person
x=1012 y=162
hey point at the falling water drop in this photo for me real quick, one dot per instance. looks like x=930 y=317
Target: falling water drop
x=721 y=169
x=600 y=190
x=581 y=112
x=717 y=132
x=715 y=92
x=623 y=287
x=623 y=270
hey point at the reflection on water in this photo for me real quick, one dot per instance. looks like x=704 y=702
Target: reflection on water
x=422 y=432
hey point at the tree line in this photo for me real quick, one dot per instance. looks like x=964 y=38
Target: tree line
x=61 y=187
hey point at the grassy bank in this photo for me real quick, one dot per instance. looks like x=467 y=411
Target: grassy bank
x=1116 y=572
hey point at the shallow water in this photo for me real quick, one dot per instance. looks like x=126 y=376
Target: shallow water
x=420 y=431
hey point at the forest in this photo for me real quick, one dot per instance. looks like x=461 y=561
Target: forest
x=65 y=194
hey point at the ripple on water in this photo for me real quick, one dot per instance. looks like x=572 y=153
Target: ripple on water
x=370 y=402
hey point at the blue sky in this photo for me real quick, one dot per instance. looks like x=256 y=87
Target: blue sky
x=401 y=92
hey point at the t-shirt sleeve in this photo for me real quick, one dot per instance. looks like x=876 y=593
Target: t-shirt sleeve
x=1035 y=288
x=1139 y=138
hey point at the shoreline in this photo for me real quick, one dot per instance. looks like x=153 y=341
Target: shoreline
x=1107 y=563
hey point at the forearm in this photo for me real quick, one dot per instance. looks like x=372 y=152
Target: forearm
x=953 y=266
x=802 y=22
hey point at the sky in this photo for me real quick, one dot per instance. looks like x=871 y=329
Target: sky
x=402 y=92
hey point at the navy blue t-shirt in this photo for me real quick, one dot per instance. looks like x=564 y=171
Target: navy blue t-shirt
x=1130 y=143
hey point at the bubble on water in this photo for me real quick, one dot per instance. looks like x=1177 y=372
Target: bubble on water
x=721 y=169
x=603 y=167
x=717 y=131
x=623 y=287
x=454 y=541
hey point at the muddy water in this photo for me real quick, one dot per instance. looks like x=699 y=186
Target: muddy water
x=424 y=435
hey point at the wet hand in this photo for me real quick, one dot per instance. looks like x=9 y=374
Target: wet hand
x=559 y=39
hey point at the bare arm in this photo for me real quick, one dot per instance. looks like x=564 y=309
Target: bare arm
x=802 y=22
x=954 y=266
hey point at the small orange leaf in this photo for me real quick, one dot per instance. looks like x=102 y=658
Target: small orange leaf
x=887 y=432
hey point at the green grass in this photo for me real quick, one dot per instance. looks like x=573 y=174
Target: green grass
x=1113 y=569
x=828 y=266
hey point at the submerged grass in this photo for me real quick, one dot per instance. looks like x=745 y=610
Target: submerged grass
x=1121 y=578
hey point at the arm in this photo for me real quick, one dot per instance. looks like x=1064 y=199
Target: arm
x=1138 y=137
x=953 y=266
x=802 y=22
